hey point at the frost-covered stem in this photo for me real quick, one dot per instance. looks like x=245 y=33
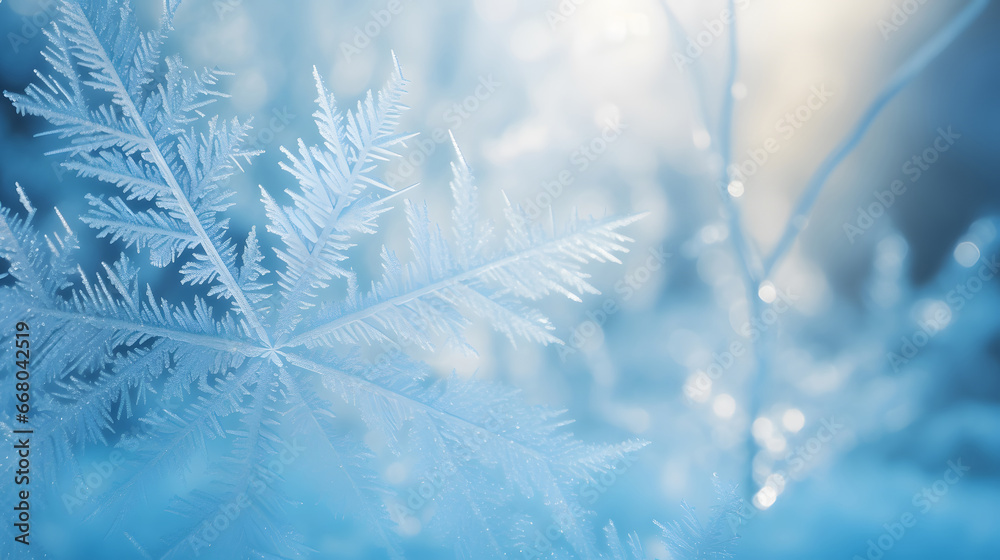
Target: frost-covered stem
x=748 y=262
x=764 y=348
x=184 y=205
x=744 y=250
x=913 y=66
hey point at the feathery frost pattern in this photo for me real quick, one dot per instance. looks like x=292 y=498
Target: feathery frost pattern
x=690 y=539
x=687 y=539
x=257 y=364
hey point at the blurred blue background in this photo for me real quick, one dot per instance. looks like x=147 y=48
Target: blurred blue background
x=596 y=97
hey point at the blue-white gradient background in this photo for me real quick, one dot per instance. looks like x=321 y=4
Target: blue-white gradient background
x=587 y=107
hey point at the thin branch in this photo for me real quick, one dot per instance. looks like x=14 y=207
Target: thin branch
x=906 y=73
